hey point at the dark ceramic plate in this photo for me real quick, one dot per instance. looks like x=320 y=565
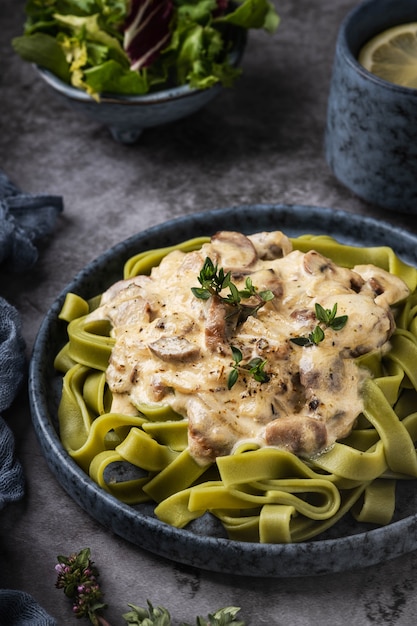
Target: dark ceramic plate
x=347 y=545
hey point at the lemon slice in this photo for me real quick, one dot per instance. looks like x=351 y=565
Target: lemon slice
x=392 y=55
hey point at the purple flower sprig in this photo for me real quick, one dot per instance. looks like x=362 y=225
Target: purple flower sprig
x=77 y=576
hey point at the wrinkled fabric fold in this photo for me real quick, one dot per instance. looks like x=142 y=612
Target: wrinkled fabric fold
x=12 y=368
x=24 y=220
x=18 y=608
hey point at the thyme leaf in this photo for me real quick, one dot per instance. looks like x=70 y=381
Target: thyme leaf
x=214 y=280
x=159 y=616
x=255 y=367
x=328 y=319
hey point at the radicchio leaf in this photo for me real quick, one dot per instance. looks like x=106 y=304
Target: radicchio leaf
x=147 y=31
x=222 y=6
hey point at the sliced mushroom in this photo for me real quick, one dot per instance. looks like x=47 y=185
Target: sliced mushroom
x=208 y=438
x=387 y=289
x=124 y=289
x=271 y=245
x=318 y=373
x=193 y=261
x=135 y=312
x=344 y=278
x=215 y=325
x=356 y=282
x=369 y=325
x=235 y=250
x=124 y=304
x=174 y=349
x=316 y=263
x=303 y=316
x=158 y=389
x=178 y=324
x=303 y=436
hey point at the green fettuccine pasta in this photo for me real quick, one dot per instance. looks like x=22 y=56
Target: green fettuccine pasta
x=259 y=494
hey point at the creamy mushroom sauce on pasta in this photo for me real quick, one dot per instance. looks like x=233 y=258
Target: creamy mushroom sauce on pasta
x=174 y=349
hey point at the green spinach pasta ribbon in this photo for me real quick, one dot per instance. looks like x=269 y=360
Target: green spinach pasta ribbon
x=258 y=494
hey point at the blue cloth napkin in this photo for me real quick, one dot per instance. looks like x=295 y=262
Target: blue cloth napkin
x=24 y=220
x=18 y=608
x=12 y=368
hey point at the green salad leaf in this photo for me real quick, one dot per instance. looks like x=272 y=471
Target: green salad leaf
x=89 y=29
x=253 y=14
x=132 y=47
x=111 y=77
x=43 y=50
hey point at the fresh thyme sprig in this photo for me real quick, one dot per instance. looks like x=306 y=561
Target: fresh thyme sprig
x=77 y=576
x=214 y=280
x=159 y=616
x=255 y=367
x=328 y=319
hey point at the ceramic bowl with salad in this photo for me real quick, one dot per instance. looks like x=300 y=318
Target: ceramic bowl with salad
x=134 y=64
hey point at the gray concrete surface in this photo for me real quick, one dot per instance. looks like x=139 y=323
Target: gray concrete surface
x=260 y=142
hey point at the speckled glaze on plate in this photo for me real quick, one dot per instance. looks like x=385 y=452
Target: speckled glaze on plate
x=348 y=545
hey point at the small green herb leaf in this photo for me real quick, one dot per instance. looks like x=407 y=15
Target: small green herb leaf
x=339 y=322
x=255 y=367
x=235 y=296
x=201 y=293
x=301 y=341
x=326 y=317
x=267 y=295
x=237 y=354
x=138 y=616
x=232 y=378
x=222 y=617
x=213 y=281
x=317 y=335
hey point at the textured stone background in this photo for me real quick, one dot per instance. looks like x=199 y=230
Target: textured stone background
x=260 y=142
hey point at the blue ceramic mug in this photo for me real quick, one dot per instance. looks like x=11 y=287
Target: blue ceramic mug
x=371 y=129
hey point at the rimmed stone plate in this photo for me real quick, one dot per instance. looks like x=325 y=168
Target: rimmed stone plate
x=347 y=545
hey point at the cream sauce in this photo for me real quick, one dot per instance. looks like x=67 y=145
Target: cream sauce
x=175 y=349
